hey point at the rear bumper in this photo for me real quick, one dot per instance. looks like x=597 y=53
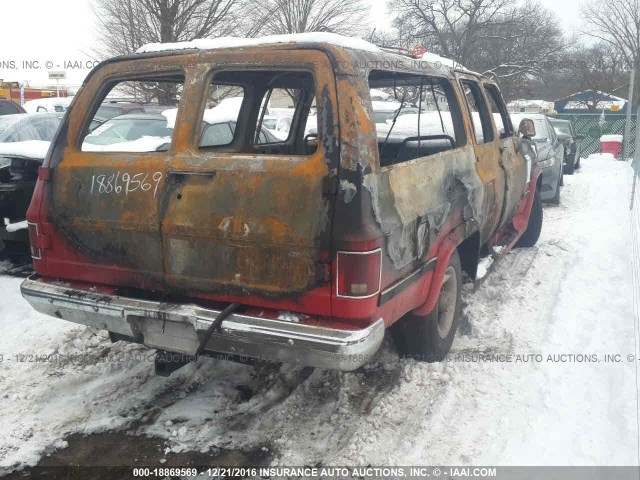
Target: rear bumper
x=178 y=328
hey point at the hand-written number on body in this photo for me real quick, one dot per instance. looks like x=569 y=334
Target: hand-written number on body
x=125 y=183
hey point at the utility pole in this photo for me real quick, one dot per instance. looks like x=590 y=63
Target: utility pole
x=627 y=126
x=635 y=163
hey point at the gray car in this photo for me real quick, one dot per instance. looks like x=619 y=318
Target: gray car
x=550 y=152
x=571 y=141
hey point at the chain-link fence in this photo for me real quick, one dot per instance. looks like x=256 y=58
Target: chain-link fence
x=593 y=126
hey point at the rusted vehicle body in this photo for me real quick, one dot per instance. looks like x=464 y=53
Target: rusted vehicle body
x=301 y=251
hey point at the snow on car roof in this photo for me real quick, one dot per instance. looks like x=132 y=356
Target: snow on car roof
x=531 y=116
x=36 y=149
x=226 y=111
x=31 y=106
x=385 y=106
x=142 y=144
x=437 y=60
x=309 y=37
x=238 y=42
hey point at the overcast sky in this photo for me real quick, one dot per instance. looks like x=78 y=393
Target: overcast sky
x=64 y=33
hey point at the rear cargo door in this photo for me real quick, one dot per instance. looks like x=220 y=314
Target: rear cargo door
x=250 y=200
x=106 y=189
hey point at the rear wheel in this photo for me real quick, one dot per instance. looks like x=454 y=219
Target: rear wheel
x=531 y=235
x=556 y=198
x=429 y=338
x=568 y=169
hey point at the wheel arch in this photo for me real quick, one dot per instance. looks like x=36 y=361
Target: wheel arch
x=457 y=240
x=469 y=252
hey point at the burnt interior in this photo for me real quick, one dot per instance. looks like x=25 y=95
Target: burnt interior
x=418 y=93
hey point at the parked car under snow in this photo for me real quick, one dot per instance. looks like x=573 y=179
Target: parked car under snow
x=24 y=141
x=24 y=127
x=141 y=132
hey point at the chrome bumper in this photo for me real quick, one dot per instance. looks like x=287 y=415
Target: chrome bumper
x=178 y=328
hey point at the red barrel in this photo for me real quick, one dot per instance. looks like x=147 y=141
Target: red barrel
x=611 y=144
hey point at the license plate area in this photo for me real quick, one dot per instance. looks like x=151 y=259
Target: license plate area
x=170 y=335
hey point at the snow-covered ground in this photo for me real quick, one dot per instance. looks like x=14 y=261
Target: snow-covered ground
x=571 y=295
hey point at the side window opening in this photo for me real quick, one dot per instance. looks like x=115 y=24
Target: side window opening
x=499 y=111
x=478 y=112
x=132 y=129
x=415 y=116
x=269 y=112
x=220 y=115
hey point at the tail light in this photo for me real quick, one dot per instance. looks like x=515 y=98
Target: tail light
x=358 y=274
x=37 y=240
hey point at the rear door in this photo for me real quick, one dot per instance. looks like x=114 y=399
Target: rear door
x=516 y=168
x=249 y=211
x=106 y=188
x=487 y=148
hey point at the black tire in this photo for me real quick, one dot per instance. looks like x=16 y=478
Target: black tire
x=531 y=235
x=429 y=338
x=569 y=167
x=556 y=198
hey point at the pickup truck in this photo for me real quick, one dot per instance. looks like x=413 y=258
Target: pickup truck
x=305 y=249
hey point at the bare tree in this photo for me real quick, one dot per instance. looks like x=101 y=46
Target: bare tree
x=515 y=42
x=617 y=23
x=598 y=67
x=451 y=28
x=126 y=25
x=349 y=17
x=525 y=40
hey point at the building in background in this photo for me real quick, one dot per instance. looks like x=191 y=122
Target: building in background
x=531 y=106
x=591 y=101
x=11 y=91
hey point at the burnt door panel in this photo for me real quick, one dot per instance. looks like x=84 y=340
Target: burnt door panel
x=516 y=168
x=487 y=148
x=252 y=214
x=246 y=227
x=107 y=185
x=107 y=208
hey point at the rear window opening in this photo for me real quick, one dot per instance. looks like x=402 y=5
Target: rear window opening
x=415 y=116
x=122 y=123
x=260 y=112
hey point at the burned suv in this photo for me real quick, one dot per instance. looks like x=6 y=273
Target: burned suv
x=303 y=248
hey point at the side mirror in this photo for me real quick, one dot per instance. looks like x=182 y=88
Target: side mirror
x=527 y=128
x=311 y=143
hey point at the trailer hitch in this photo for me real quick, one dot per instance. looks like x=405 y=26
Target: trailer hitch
x=166 y=362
